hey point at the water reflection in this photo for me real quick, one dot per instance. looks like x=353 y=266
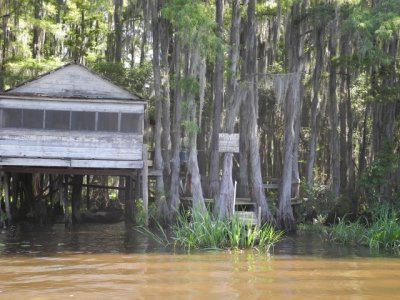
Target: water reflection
x=121 y=238
x=115 y=262
x=87 y=238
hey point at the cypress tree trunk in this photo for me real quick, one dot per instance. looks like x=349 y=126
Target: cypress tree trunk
x=144 y=34
x=173 y=197
x=292 y=107
x=257 y=189
x=333 y=109
x=4 y=37
x=165 y=36
x=316 y=83
x=218 y=102
x=285 y=216
x=158 y=159
x=37 y=31
x=244 y=146
x=118 y=30
x=193 y=62
x=223 y=205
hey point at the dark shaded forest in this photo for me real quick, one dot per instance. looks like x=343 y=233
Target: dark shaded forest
x=312 y=87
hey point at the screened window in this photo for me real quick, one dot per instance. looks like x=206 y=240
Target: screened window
x=32 y=118
x=131 y=123
x=57 y=119
x=12 y=118
x=107 y=122
x=71 y=120
x=82 y=120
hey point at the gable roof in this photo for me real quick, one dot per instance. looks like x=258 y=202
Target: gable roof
x=72 y=81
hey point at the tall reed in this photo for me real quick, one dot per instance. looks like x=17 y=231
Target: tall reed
x=382 y=232
x=200 y=230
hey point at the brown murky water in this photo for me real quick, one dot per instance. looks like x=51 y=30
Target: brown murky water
x=114 y=262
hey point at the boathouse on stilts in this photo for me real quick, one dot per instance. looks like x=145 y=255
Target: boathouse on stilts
x=61 y=128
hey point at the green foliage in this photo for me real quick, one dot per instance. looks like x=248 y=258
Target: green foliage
x=194 y=22
x=160 y=236
x=190 y=127
x=320 y=14
x=136 y=80
x=370 y=27
x=317 y=203
x=345 y=232
x=206 y=232
x=19 y=69
x=266 y=9
x=383 y=232
x=140 y=214
x=376 y=175
x=87 y=26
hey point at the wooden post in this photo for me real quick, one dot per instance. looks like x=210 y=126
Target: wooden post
x=234 y=198
x=87 y=192
x=129 y=202
x=145 y=189
x=7 y=196
x=76 y=197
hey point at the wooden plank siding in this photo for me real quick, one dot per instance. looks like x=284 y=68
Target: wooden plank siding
x=71 y=104
x=70 y=149
x=71 y=118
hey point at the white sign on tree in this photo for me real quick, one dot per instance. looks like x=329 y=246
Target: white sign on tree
x=229 y=142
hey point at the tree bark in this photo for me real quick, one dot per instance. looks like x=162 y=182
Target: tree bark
x=285 y=218
x=257 y=188
x=158 y=159
x=193 y=63
x=37 y=31
x=314 y=126
x=173 y=197
x=244 y=147
x=118 y=4
x=165 y=92
x=223 y=204
x=292 y=106
x=144 y=34
x=333 y=108
x=218 y=102
x=4 y=36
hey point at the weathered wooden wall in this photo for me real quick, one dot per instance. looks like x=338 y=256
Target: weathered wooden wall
x=70 y=149
x=71 y=89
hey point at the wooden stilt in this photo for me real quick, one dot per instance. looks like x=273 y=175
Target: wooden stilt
x=87 y=192
x=7 y=196
x=129 y=203
x=145 y=189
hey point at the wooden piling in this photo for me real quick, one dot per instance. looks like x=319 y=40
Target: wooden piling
x=7 y=196
x=145 y=188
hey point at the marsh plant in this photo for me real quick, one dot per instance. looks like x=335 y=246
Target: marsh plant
x=381 y=232
x=198 y=229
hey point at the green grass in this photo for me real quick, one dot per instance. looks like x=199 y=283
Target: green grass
x=206 y=232
x=383 y=232
x=200 y=230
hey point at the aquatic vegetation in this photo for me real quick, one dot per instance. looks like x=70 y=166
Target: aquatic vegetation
x=198 y=229
x=346 y=232
x=383 y=232
x=203 y=231
x=159 y=234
